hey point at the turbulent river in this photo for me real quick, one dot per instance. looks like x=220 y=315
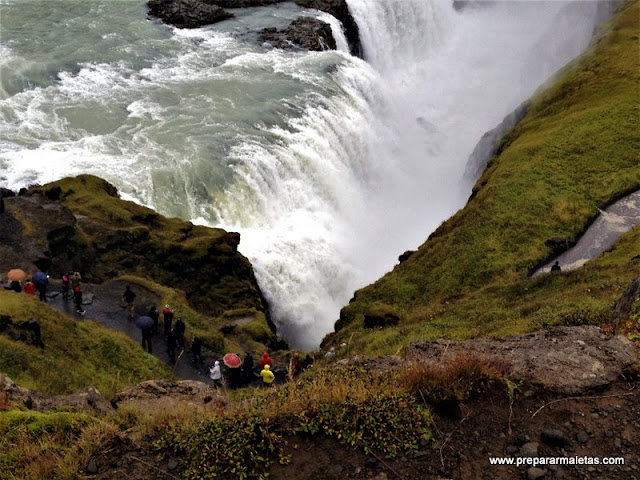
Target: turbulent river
x=328 y=165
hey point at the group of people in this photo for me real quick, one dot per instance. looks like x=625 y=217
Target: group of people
x=174 y=333
x=240 y=376
x=39 y=283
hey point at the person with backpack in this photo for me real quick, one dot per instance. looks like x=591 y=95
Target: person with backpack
x=216 y=374
x=171 y=346
x=265 y=360
x=41 y=280
x=129 y=297
x=155 y=315
x=267 y=376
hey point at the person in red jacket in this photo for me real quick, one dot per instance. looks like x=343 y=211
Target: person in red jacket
x=265 y=360
x=29 y=288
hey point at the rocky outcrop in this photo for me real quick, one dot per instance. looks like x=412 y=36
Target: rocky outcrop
x=90 y=229
x=187 y=13
x=305 y=32
x=197 y=13
x=567 y=360
x=489 y=144
x=88 y=400
x=622 y=308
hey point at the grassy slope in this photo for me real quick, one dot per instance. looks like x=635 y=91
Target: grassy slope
x=577 y=149
x=77 y=354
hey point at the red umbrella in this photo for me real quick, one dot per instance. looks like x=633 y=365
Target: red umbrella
x=16 y=274
x=232 y=360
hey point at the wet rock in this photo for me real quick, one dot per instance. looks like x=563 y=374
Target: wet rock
x=172 y=465
x=622 y=308
x=304 y=32
x=187 y=13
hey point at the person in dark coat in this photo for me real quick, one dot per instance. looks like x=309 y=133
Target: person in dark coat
x=77 y=300
x=196 y=350
x=179 y=330
x=171 y=346
x=556 y=267
x=40 y=280
x=129 y=297
x=167 y=315
x=147 y=336
x=155 y=315
x=64 y=286
x=16 y=287
x=247 y=368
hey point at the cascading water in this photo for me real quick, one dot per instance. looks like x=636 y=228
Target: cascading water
x=329 y=166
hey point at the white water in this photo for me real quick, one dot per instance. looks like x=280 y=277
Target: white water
x=329 y=166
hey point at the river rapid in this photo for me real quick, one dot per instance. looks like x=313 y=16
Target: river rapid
x=328 y=165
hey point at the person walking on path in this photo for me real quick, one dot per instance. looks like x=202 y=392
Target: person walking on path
x=179 y=330
x=556 y=267
x=155 y=315
x=196 y=350
x=216 y=374
x=64 y=286
x=75 y=278
x=167 y=315
x=129 y=297
x=267 y=376
x=147 y=336
x=77 y=300
x=41 y=280
x=171 y=346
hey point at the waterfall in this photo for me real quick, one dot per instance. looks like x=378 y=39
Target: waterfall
x=329 y=166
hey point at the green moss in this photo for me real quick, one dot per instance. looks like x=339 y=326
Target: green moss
x=77 y=354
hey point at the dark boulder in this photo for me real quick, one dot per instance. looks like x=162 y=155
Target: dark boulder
x=377 y=317
x=304 y=32
x=187 y=13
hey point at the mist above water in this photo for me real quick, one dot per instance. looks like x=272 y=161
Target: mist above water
x=329 y=166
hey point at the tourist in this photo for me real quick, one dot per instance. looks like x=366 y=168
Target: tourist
x=64 y=286
x=155 y=315
x=129 y=297
x=556 y=267
x=77 y=300
x=29 y=288
x=216 y=374
x=265 y=360
x=247 y=368
x=267 y=376
x=179 y=330
x=167 y=315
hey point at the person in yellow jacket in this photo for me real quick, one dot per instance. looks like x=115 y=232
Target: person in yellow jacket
x=267 y=375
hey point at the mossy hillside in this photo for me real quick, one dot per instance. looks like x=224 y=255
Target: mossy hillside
x=115 y=237
x=576 y=151
x=78 y=354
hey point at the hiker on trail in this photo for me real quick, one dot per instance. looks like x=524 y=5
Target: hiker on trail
x=129 y=297
x=147 y=337
x=171 y=346
x=41 y=280
x=265 y=360
x=267 y=376
x=29 y=288
x=77 y=300
x=75 y=278
x=64 y=286
x=556 y=267
x=247 y=368
x=179 y=330
x=294 y=368
x=155 y=315
x=216 y=374
x=196 y=350
x=167 y=315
